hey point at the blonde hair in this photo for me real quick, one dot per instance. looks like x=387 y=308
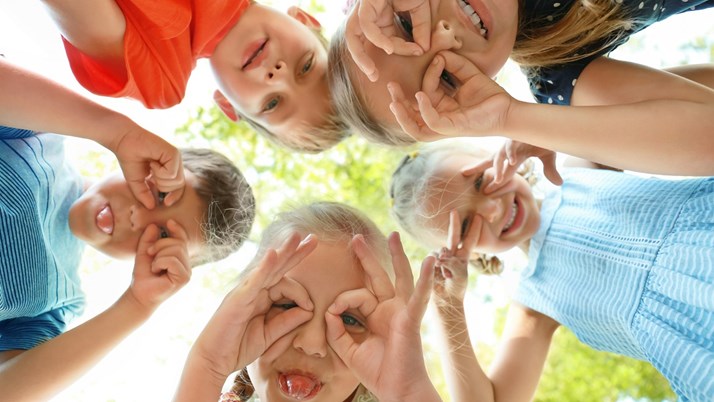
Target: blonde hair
x=587 y=22
x=601 y=22
x=349 y=103
x=412 y=183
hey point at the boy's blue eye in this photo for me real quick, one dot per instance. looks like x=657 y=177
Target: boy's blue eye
x=308 y=66
x=272 y=104
x=163 y=233
x=403 y=21
x=161 y=196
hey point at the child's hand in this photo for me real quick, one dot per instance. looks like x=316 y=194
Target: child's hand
x=456 y=100
x=143 y=157
x=241 y=329
x=390 y=362
x=451 y=274
x=374 y=21
x=513 y=153
x=161 y=266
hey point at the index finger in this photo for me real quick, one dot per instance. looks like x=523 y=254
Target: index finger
x=459 y=66
x=141 y=191
x=471 y=238
x=421 y=21
x=354 y=38
x=169 y=178
x=470 y=170
x=376 y=275
x=402 y=268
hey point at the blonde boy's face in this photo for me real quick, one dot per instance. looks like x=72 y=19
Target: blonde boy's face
x=109 y=218
x=272 y=68
x=451 y=30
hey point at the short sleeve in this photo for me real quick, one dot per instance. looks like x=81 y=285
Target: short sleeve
x=11 y=133
x=24 y=333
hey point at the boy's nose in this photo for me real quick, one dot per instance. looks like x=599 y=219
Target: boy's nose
x=138 y=218
x=310 y=339
x=443 y=37
x=276 y=72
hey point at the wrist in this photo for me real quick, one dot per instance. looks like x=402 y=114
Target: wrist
x=131 y=305
x=121 y=126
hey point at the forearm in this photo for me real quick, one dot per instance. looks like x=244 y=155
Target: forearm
x=45 y=370
x=199 y=380
x=465 y=378
x=656 y=136
x=31 y=101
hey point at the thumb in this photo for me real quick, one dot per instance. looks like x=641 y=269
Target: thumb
x=147 y=239
x=276 y=327
x=339 y=339
x=141 y=192
x=550 y=171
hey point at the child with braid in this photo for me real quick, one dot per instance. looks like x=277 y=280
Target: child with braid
x=326 y=311
x=625 y=262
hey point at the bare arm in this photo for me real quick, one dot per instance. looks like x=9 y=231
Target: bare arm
x=47 y=369
x=46 y=106
x=622 y=114
x=462 y=371
x=95 y=27
x=627 y=115
x=41 y=372
x=519 y=362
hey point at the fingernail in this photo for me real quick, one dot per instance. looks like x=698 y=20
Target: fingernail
x=306 y=239
x=447 y=273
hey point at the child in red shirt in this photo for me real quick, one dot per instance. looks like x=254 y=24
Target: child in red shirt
x=267 y=64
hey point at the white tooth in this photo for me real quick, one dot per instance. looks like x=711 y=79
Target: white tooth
x=468 y=9
x=476 y=20
x=483 y=32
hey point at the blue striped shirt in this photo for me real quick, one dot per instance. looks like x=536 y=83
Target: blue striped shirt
x=39 y=283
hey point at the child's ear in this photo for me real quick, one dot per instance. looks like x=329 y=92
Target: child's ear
x=225 y=105
x=304 y=17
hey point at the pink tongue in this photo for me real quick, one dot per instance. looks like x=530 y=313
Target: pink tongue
x=299 y=386
x=105 y=220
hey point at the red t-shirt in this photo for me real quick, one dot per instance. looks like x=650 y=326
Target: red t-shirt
x=162 y=42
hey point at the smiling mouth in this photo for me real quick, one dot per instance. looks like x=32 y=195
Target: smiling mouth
x=512 y=220
x=255 y=55
x=474 y=17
